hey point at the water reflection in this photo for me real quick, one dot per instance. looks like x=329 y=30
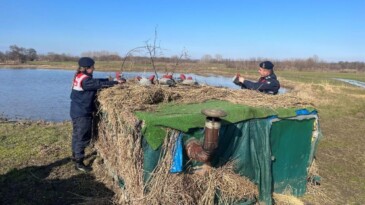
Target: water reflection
x=352 y=82
x=41 y=94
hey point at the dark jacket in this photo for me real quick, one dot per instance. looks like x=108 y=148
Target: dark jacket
x=83 y=102
x=268 y=84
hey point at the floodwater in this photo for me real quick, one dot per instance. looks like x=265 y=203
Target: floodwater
x=352 y=82
x=42 y=94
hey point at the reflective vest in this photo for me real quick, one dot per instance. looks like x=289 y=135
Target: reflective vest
x=78 y=80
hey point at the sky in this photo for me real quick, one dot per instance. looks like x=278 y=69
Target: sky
x=332 y=30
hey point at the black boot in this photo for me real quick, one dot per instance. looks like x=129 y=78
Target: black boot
x=73 y=157
x=81 y=166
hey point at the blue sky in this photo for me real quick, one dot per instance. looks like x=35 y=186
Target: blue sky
x=332 y=30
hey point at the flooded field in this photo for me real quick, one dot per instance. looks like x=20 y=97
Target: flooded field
x=42 y=94
x=352 y=82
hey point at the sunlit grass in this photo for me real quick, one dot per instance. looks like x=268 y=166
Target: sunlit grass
x=320 y=77
x=22 y=144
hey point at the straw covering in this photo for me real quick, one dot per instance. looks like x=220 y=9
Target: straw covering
x=120 y=145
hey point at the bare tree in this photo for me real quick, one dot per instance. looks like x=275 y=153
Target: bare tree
x=151 y=50
x=206 y=58
x=17 y=54
x=130 y=54
x=177 y=59
x=102 y=55
x=2 y=57
x=31 y=54
x=218 y=57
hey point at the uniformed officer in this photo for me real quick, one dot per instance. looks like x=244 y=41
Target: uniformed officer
x=83 y=97
x=267 y=83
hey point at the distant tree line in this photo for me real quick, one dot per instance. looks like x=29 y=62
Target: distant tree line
x=55 y=57
x=102 y=55
x=309 y=64
x=17 y=55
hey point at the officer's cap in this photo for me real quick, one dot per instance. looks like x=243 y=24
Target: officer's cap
x=267 y=65
x=86 y=62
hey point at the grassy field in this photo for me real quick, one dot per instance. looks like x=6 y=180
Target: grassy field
x=341 y=155
x=36 y=169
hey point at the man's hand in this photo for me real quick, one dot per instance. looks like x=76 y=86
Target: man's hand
x=241 y=79
x=236 y=80
x=121 y=80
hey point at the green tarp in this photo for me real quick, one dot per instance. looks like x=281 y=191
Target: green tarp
x=274 y=155
x=291 y=148
x=267 y=146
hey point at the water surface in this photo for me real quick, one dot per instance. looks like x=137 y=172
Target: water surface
x=44 y=94
x=352 y=82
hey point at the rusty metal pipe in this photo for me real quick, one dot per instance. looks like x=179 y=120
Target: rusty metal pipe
x=203 y=153
x=212 y=126
x=195 y=151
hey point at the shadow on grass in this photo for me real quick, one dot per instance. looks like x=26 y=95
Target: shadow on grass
x=38 y=185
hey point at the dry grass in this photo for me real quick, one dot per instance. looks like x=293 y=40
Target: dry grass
x=164 y=187
x=283 y=199
x=184 y=188
x=119 y=144
x=135 y=97
x=120 y=148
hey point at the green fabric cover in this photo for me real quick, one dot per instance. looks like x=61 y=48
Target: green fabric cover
x=248 y=145
x=150 y=159
x=186 y=116
x=251 y=145
x=291 y=148
x=274 y=155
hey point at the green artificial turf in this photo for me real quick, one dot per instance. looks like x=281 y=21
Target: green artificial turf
x=187 y=116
